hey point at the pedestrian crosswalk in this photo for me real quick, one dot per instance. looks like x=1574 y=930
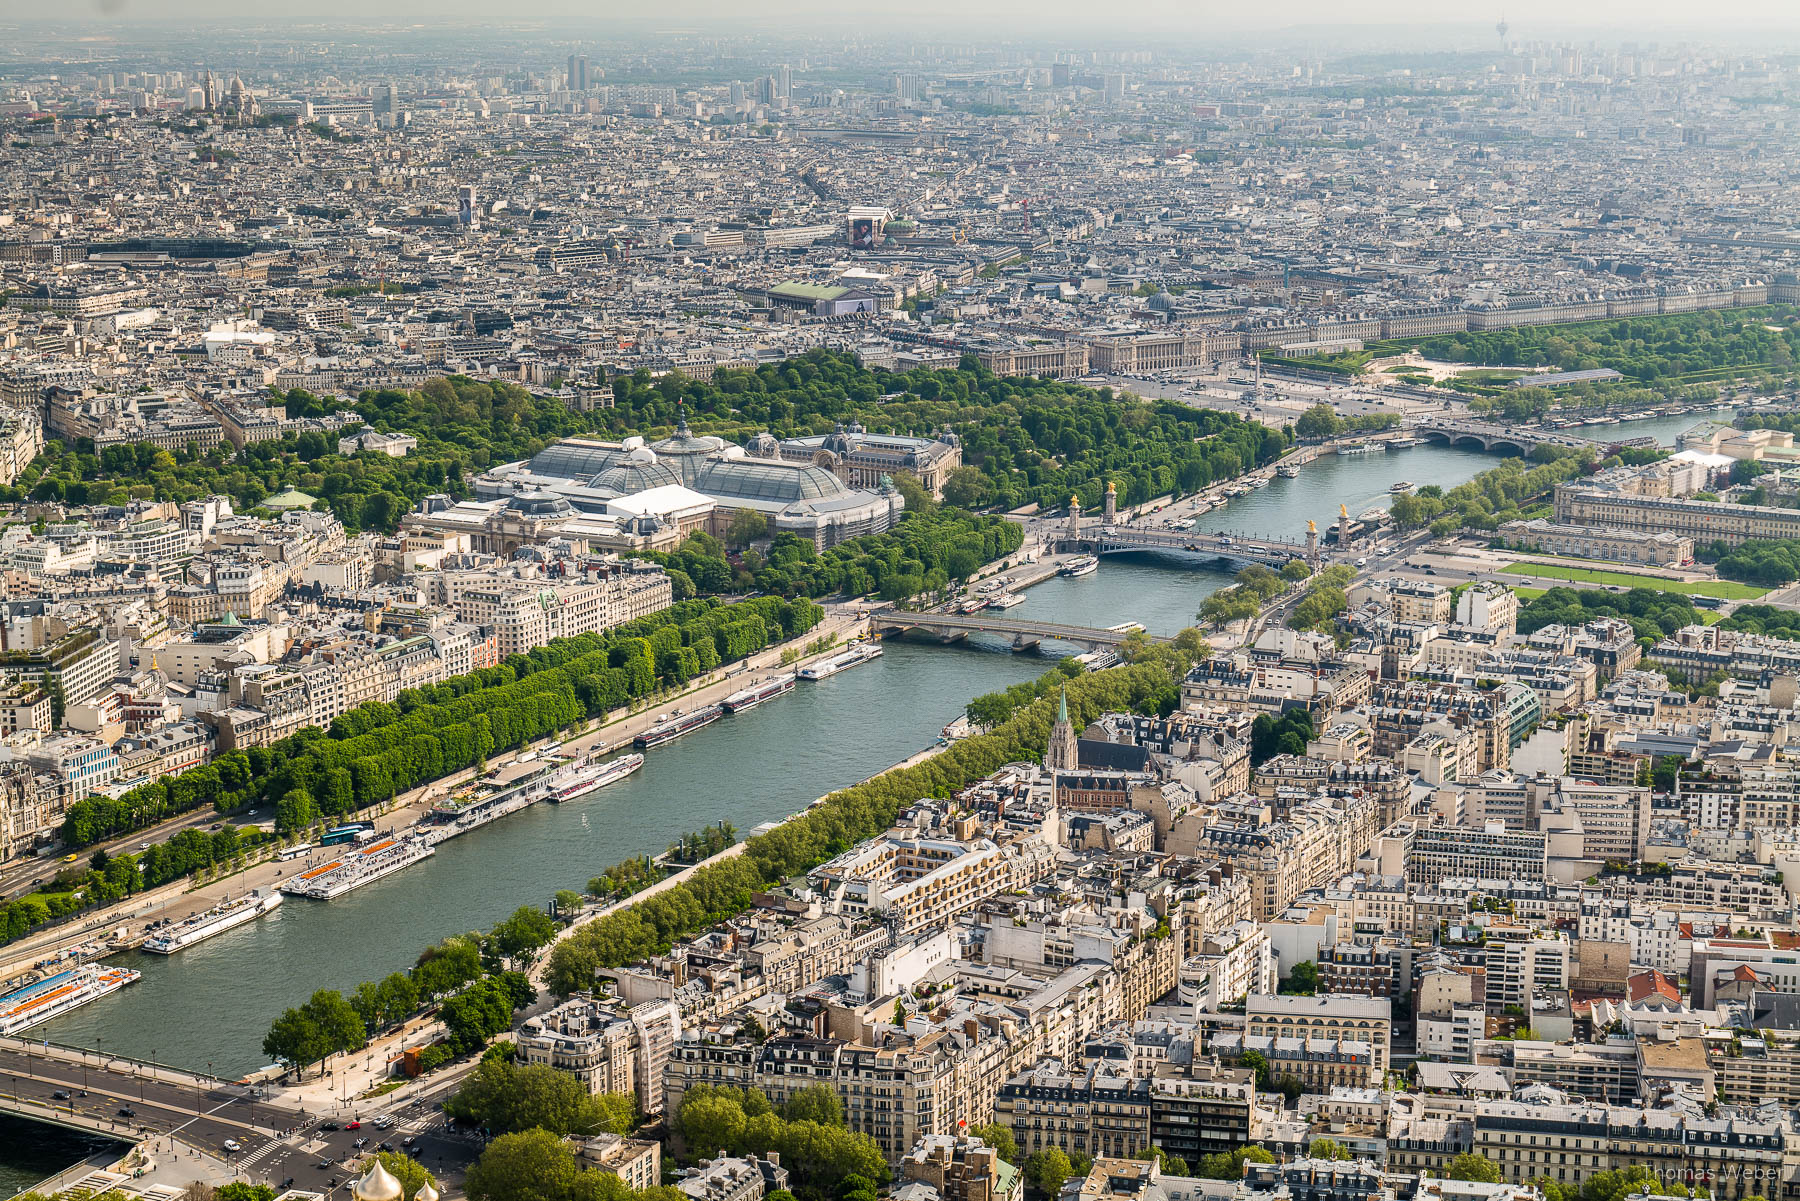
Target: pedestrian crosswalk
x=261 y=1153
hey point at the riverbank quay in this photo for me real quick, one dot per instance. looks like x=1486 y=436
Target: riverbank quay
x=181 y=899
x=343 y=1078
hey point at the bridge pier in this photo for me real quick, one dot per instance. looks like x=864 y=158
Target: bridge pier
x=1025 y=642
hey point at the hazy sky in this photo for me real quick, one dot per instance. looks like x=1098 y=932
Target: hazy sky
x=941 y=18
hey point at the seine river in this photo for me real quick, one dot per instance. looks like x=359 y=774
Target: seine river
x=208 y=1007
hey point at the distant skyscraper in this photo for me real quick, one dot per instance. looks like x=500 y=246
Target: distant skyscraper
x=465 y=205
x=784 y=83
x=383 y=101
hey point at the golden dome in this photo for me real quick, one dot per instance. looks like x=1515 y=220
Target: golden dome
x=378 y=1185
x=426 y=1193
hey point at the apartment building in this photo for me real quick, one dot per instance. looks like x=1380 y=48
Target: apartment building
x=610 y=1048
x=1417 y=602
x=1697 y=653
x=961 y=1168
x=1756 y=1068
x=914 y=883
x=24 y=706
x=1600 y=1072
x=1366 y=1020
x=1280 y=859
x=1094 y=1112
x=76 y=765
x=1521 y=961
x=1396 y=713
x=29 y=814
x=1569 y=1144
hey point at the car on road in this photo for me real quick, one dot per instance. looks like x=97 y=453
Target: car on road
x=409 y=1140
x=59 y=1095
x=231 y=1144
x=360 y=1143
x=126 y=1111
x=386 y=1146
x=353 y=1124
x=329 y=1126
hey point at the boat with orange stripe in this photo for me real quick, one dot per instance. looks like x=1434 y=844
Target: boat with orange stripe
x=56 y=995
x=364 y=865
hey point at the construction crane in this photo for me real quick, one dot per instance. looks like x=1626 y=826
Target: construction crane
x=1025 y=207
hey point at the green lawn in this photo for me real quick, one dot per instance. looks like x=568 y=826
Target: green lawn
x=1723 y=589
x=1528 y=594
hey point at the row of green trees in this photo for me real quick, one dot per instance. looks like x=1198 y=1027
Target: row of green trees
x=369 y=491
x=1645 y=348
x=110 y=878
x=535 y=1165
x=1256 y=586
x=994 y=708
x=1764 y=619
x=1652 y=613
x=843 y=819
x=1771 y=561
x=501 y=1097
x=1324 y=600
x=923 y=553
x=379 y=750
x=466 y=975
x=1322 y=421
x=820 y=1154
x=1493 y=497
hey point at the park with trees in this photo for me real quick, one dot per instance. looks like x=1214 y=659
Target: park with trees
x=379 y=750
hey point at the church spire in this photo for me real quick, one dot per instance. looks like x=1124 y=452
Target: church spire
x=1061 y=754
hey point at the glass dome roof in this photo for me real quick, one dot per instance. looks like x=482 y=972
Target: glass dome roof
x=754 y=479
